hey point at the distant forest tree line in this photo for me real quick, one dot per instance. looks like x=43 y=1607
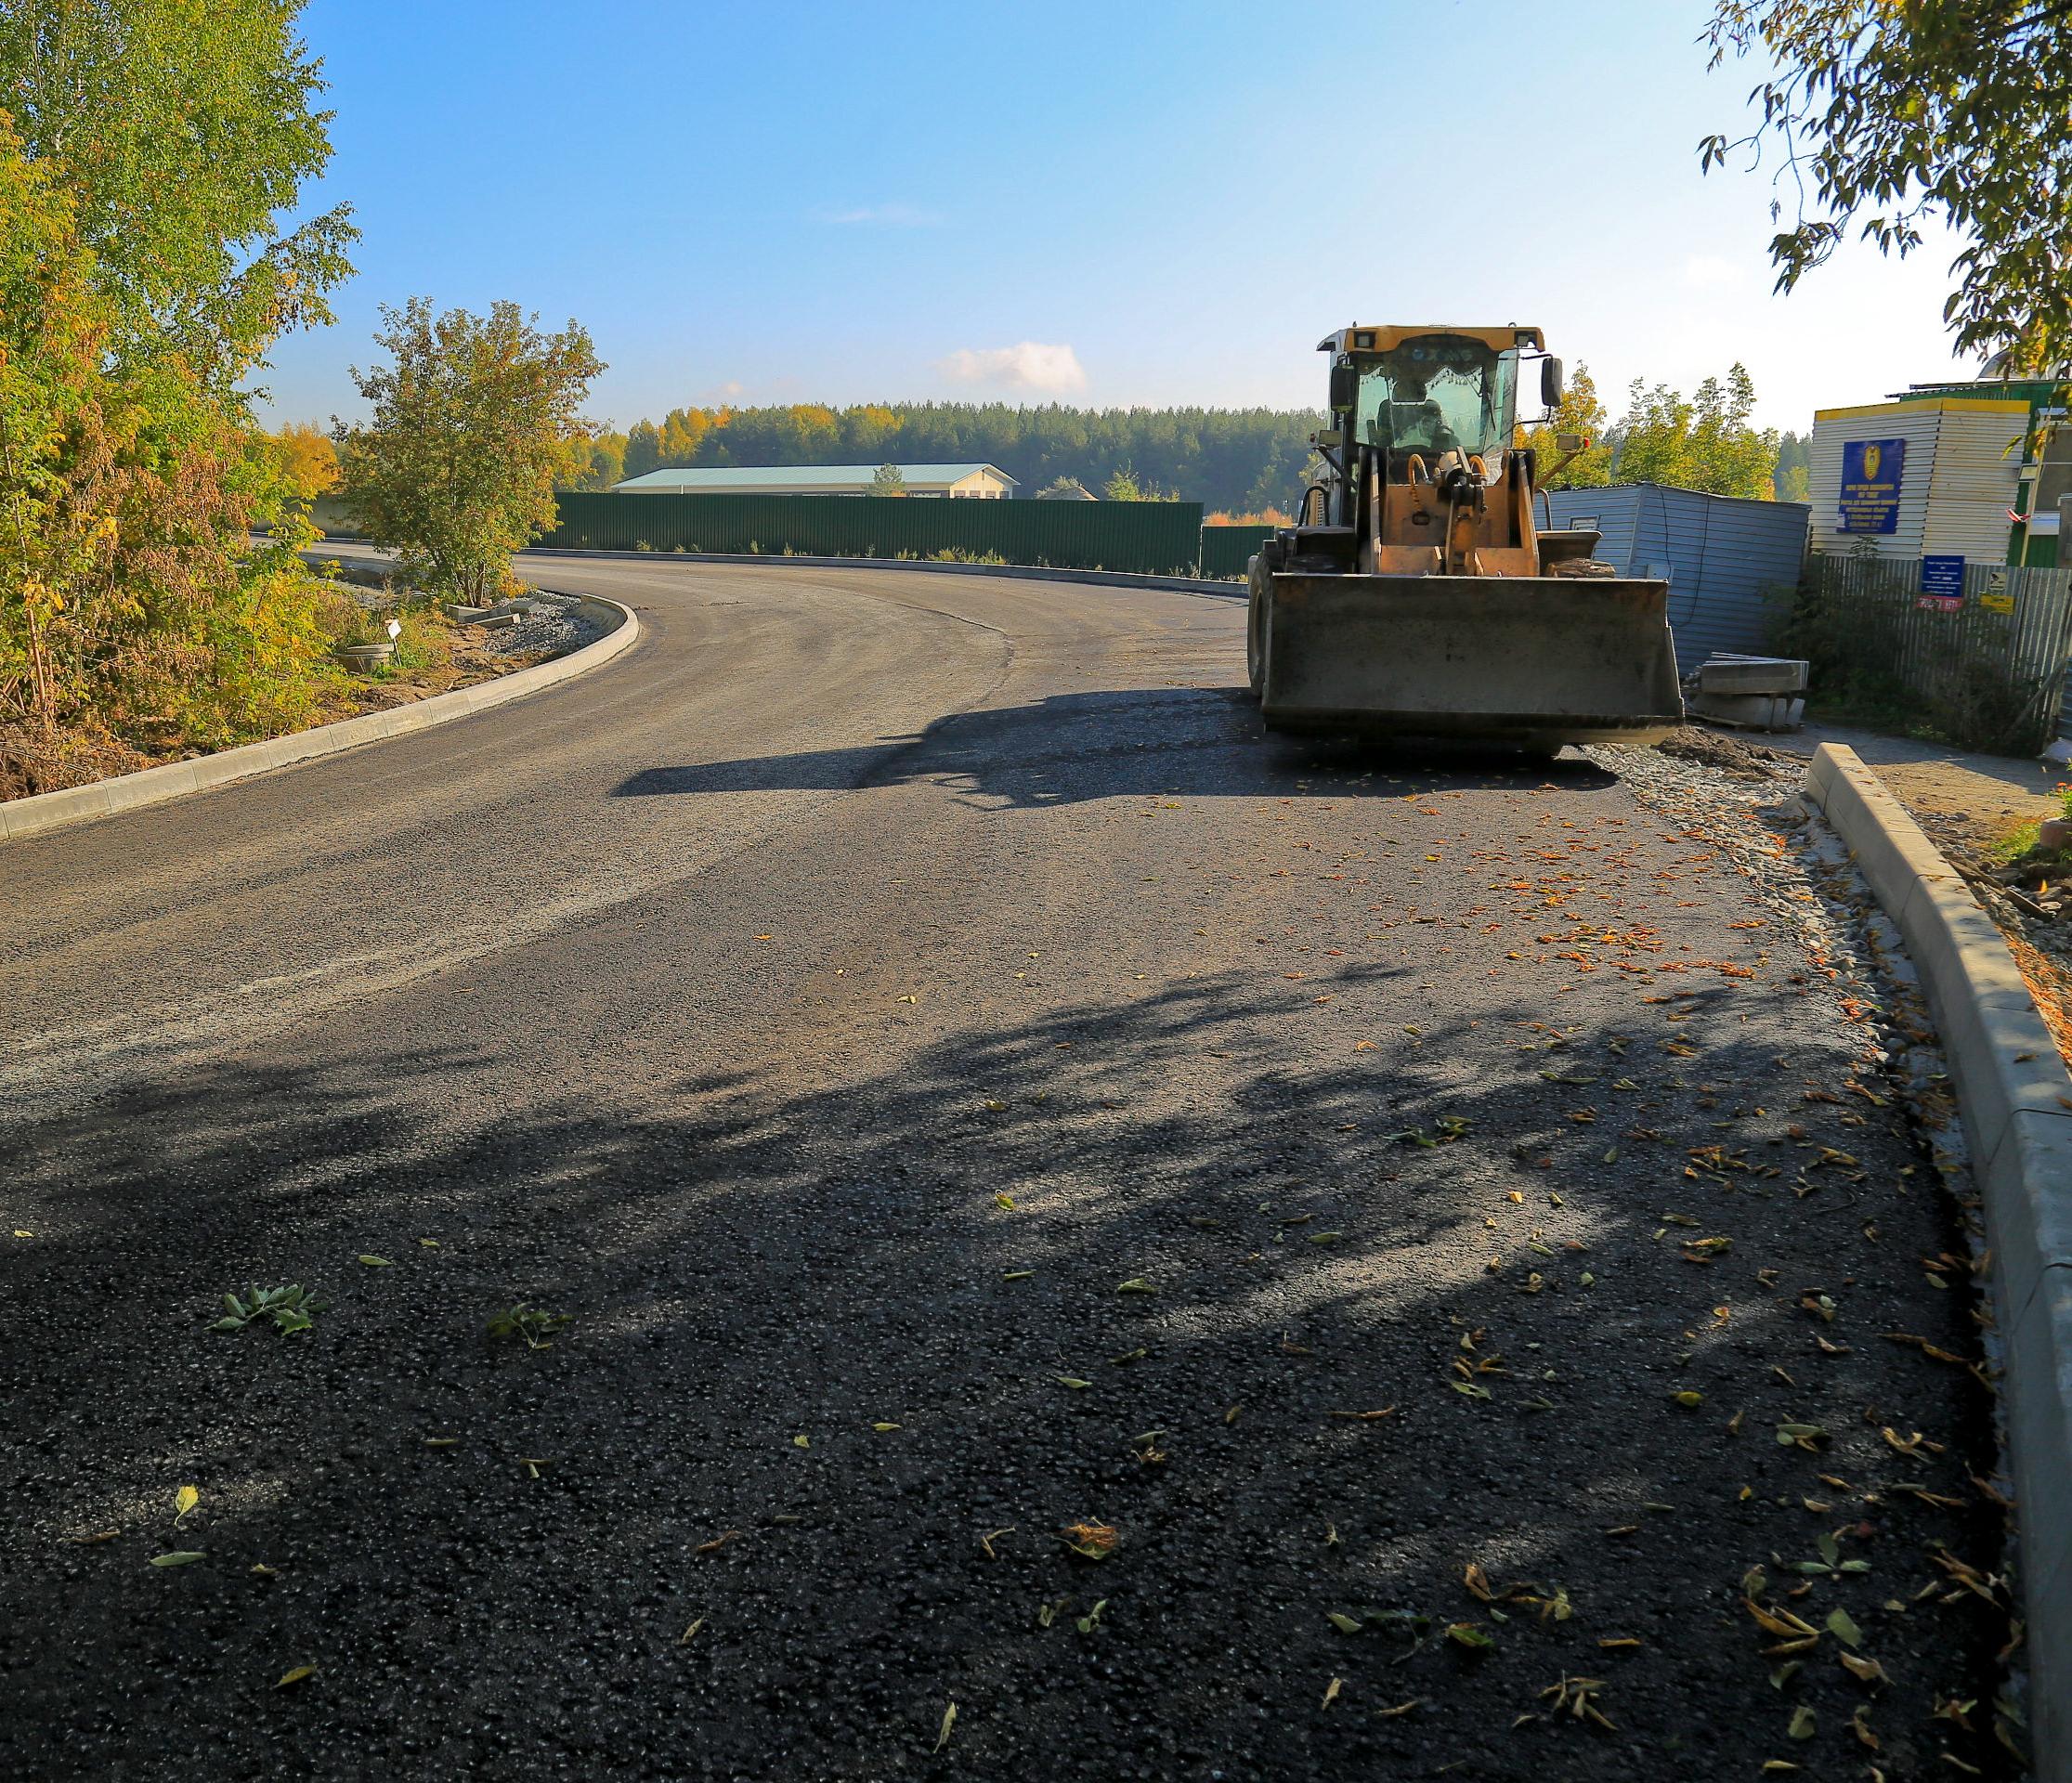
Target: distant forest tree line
x=1236 y=463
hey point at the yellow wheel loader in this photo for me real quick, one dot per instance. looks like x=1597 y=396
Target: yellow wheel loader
x=1416 y=596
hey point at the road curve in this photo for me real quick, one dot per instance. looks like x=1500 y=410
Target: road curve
x=963 y=1083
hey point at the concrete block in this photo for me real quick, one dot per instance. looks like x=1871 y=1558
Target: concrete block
x=1891 y=851
x=1750 y=711
x=2038 y=1392
x=2001 y=1053
x=1752 y=675
x=127 y=790
x=48 y=810
x=1826 y=763
x=2027 y=1184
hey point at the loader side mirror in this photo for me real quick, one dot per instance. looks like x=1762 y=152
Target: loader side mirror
x=1550 y=382
x=1344 y=387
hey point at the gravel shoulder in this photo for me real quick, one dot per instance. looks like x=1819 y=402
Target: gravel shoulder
x=1455 y=1242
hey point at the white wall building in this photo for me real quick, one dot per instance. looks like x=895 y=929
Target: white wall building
x=1946 y=492
x=963 y=482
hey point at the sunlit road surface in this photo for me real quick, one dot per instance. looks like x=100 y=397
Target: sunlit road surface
x=1215 y=1256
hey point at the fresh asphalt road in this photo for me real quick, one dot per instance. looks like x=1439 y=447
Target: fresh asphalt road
x=963 y=1083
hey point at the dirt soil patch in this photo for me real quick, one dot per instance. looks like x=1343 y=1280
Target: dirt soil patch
x=1716 y=750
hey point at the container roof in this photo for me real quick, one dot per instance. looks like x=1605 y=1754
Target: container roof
x=827 y=476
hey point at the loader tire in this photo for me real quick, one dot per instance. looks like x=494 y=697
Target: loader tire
x=1256 y=616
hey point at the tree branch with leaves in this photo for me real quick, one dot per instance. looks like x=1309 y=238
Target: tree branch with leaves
x=1888 y=114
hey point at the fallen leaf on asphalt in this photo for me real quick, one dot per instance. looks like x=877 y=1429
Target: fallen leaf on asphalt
x=1331 y=1692
x=1689 y=1398
x=949 y=1715
x=1136 y=1284
x=685 y=1638
x=1466 y=1635
x=1364 y=1418
x=1618 y=1643
x=93 y=1536
x=881 y=1429
x=1842 y=1625
x=1780 y=1621
x=1866 y=1671
x=986 y=1540
x=1096 y=1541
x=1017 y=1275
x=184 y=1501
x=294 y=1674
x=429 y=1243
x=802 y=1442
x=376 y=1262
x=1804 y=1724
x=717 y=1542
x=441 y=1442
x=1400 y=1709
x=1345 y=1624
x=179 y=1558
x=1068 y=1380
x=1004 y=1201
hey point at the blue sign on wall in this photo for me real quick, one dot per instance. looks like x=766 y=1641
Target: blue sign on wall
x=1942 y=584
x=1870 y=473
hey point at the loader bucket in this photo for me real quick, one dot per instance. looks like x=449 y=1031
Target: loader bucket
x=1535 y=660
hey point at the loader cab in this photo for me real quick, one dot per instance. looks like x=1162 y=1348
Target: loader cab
x=1436 y=393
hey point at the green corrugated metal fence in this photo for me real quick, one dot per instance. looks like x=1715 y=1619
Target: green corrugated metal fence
x=1146 y=538
x=1227 y=552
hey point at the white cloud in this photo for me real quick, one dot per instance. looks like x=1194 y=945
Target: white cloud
x=1029 y=366
x=1713 y=271
x=895 y=215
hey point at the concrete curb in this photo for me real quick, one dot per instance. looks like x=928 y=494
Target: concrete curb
x=1018 y=572
x=2017 y=1097
x=44 y=811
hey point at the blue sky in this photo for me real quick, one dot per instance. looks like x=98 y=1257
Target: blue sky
x=1124 y=203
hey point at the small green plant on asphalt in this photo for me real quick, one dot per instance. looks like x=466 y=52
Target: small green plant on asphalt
x=291 y=1308
x=536 y=1327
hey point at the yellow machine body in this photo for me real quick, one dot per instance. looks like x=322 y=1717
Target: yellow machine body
x=1417 y=595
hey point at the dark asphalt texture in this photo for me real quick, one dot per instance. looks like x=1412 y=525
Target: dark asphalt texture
x=830 y=1006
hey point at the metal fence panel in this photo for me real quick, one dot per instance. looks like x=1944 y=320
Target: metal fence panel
x=2014 y=629
x=1227 y=552
x=1147 y=538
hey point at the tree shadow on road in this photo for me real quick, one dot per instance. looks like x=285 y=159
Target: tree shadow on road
x=1406 y=1313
